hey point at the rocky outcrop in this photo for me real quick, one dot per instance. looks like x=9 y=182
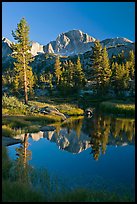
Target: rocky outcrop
x=52 y=111
x=6 y=47
x=36 y=49
x=112 y=42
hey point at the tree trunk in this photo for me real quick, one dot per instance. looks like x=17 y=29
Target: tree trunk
x=25 y=82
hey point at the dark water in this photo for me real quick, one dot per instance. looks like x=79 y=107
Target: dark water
x=97 y=153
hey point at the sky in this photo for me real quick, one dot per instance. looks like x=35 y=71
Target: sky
x=47 y=20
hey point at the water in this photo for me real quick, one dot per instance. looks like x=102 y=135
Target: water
x=96 y=153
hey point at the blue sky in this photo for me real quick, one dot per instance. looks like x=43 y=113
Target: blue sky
x=47 y=20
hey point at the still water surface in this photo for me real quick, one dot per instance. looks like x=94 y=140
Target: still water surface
x=97 y=153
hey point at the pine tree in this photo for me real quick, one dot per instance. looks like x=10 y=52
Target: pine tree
x=120 y=58
x=131 y=60
x=79 y=77
x=24 y=78
x=106 y=71
x=114 y=76
x=71 y=70
x=120 y=77
x=50 y=80
x=66 y=81
x=96 y=66
x=101 y=68
x=58 y=71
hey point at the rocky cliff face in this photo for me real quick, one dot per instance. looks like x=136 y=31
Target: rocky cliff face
x=6 y=49
x=70 y=43
x=67 y=45
x=36 y=49
x=112 y=42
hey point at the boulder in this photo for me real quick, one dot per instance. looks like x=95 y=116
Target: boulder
x=52 y=111
x=89 y=112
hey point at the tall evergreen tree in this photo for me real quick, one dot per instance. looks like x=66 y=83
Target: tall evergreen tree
x=120 y=58
x=24 y=78
x=66 y=81
x=101 y=68
x=69 y=67
x=120 y=77
x=106 y=71
x=79 y=77
x=96 y=66
x=58 y=71
x=131 y=60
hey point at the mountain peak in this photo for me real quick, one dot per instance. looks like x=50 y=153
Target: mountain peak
x=6 y=40
x=69 y=43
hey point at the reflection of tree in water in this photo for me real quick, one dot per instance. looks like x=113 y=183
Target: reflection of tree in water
x=75 y=125
x=105 y=130
x=24 y=155
x=123 y=128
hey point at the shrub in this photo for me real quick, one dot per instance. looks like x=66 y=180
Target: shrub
x=13 y=105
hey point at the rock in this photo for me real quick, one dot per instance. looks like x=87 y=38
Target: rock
x=48 y=48
x=6 y=47
x=52 y=111
x=36 y=48
x=47 y=128
x=89 y=112
x=34 y=109
x=115 y=41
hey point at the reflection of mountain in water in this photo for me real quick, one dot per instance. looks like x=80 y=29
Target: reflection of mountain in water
x=69 y=141
x=96 y=133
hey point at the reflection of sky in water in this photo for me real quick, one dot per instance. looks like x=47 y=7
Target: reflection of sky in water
x=114 y=168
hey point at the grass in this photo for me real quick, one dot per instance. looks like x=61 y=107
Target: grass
x=19 y=118
x=86 y=195
x=118 y=107
x=71 y=110
x=12 y=106
x=14 y=125
x=19 y=192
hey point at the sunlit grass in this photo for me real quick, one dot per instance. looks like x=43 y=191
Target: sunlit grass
x=118 y=108
x=71 y=110
x=14 y=125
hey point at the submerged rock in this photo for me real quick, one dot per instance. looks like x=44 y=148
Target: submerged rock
x=6 y=141
x=47 y=128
